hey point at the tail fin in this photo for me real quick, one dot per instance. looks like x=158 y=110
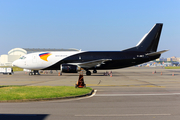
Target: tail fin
x=149 y=42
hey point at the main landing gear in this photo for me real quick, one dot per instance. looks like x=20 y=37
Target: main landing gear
x=89 y=72
x=94 y=71
x=34 y=72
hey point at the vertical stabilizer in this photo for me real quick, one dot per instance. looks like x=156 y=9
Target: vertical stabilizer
x=149 y=42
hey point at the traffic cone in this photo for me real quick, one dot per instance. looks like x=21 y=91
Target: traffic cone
x=111 y=75
x=173 y=74
x=59 y=73
x=80 y=83
x=161 y=73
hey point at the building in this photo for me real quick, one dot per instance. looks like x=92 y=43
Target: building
x=169 y=59
x=161 y=59
x=174 y=58
x=16 y=53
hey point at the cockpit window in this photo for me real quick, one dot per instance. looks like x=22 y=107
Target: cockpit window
x=23 y=57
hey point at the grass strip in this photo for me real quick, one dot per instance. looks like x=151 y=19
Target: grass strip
x=173 y=67
x=39 y=92
x=14 y=68
x=17 y=69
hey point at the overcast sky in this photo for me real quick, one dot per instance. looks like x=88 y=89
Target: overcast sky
x=90 y=25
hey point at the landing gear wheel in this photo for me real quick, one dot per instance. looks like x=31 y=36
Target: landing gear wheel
x=36 y=72
x=30 y=73
x=88 y=72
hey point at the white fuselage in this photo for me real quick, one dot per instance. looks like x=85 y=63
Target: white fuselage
x=34 y=61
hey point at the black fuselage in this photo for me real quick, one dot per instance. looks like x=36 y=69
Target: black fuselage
x=144 y=51
x=119 y=59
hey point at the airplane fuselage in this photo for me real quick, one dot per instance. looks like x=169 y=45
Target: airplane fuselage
x=119 y=59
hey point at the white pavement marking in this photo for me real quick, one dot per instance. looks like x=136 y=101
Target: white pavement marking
x=120 y=115
x=137 y=94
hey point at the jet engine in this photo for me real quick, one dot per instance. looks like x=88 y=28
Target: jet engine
x=70 y=68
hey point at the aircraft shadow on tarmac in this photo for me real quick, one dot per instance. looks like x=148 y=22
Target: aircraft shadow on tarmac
x=23 y=116
x=169 y=72
x=69 y=74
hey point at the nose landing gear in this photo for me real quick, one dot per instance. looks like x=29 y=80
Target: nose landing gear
x=34 y=72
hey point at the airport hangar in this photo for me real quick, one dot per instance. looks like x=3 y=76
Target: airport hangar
x=16 y=53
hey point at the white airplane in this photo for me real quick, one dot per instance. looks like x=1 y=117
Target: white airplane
x=72 y=61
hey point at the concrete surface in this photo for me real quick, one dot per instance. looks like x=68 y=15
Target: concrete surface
x=130 y=94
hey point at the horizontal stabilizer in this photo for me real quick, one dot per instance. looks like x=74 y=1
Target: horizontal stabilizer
x=156 y=53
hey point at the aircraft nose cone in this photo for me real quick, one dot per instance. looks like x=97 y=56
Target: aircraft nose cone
x=15 y=63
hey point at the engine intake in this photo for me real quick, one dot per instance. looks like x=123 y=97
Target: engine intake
x=69 y=68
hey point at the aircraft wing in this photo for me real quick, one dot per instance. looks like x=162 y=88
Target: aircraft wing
x=94 y=63
x=156 y=53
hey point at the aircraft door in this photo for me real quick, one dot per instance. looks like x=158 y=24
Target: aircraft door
x=25 y=63
x=34 y=60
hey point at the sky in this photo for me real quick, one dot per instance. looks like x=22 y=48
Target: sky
x=89 y=25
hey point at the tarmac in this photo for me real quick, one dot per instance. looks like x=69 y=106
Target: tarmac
x=136 y=93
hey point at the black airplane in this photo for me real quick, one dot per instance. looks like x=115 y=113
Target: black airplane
x=72 y=61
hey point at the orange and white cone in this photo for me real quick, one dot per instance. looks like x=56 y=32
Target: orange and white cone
x=111 y=75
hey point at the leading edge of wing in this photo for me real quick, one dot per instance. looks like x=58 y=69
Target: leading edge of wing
x=90 y=64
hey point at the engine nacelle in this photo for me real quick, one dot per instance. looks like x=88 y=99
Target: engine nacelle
x=69 y=68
